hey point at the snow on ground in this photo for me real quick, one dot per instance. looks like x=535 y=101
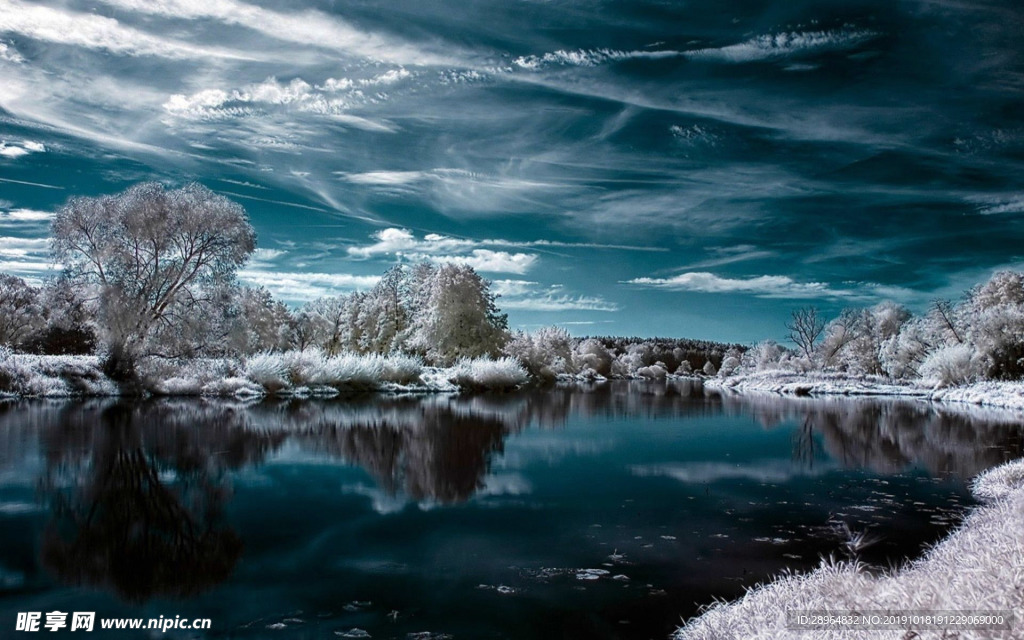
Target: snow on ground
x=980 y=567
x=1005 y=395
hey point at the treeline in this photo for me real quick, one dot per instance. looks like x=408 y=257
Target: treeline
x=550 y=352
x=979 y=337
x=151 y=274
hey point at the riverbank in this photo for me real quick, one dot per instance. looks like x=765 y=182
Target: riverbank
x=287 y=374
x=1004 y=395
x=979 y=567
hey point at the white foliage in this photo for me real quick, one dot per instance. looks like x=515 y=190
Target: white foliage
x=729 y=366
x=545 y=353
x=487 y=374
x=267 y=370
x=949 y=366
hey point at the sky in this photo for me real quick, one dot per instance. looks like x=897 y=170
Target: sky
x=690 y=169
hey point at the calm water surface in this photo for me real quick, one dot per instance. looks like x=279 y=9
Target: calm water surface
x=610 y=511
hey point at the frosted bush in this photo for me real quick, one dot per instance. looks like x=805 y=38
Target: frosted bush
x=656 y=371
x=267 y=370
x=709 y=368
x=949 y=366
x=350 y=370
x=764 y=356
x=303 y=367
x=729 y=366
x=483 y=373
x=177 y=386
x=684 y=368
x=402 y=369
x=591 y=354
x=545 y=353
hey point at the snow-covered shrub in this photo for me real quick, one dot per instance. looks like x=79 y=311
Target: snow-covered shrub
x=545 y=353
x=349 y=370
x=709 y=368
x=729 y=366
x=267 y=370
x=684 y=368
x=304 y=367
x=950 y=366
x=592 y=355
x=763 y=356
x=402 y=369
x=232 y=386
x=656 y=371
x=486 y=374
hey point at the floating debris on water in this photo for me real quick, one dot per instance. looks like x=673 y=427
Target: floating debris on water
x=591 y=574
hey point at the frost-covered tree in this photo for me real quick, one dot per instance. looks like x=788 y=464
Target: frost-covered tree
x=995 y=316
x=159 y=259
x=592 y=355
x=853 y=341
x=459 y=318
x=764 y=356
x=545 y=352
x=20 y=311
x=385 y=318
x=259 y=322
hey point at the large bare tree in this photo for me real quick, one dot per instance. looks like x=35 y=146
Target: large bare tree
x=157 y=260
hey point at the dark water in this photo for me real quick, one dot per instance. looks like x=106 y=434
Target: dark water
x=476 y=517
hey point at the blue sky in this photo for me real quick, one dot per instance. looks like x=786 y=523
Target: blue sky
x=651 y=168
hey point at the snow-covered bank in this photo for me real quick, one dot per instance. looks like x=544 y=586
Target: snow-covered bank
x=1005 y=395
x=980 y=567
x=290 y=373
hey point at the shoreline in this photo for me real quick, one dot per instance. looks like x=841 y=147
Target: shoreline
x=279 y=375
x=989 y=394
x=978 y=567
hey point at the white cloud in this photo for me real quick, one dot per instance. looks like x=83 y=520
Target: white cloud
x=27 y=257
x=303 y=286
x=331 y=98
x=386 y=178
x=761 y=286
x=25 y=215
x=310 y=28
x=784 y=44
x=488 y=260
x=588 y=58
x=527 y=295
x=10 y=54
x=92 y=31
x=10 y=150
x=553 y=302
x=994 y=205
x=434 y=247
x=266 y=255
x=437 y=248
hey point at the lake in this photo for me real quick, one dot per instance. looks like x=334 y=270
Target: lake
x=611 y=510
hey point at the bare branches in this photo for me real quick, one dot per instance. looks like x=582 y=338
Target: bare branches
x=805 y=328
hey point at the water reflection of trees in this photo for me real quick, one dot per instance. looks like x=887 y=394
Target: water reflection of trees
x=888 y=436
x=137 y=490
x=136 y=494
